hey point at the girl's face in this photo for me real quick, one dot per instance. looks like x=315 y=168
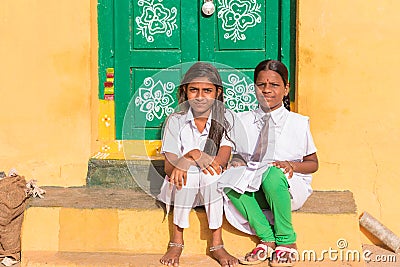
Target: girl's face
x=201 y=94
x=270 y=90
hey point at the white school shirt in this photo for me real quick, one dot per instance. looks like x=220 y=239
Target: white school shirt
x=289 y=138
x=181 y=134
x=249 y=126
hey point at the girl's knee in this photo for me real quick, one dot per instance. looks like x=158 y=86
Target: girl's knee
x=295 y=205
x=298 y=202
x=192 y=180
x=208 y=179
x=299 y=197
x=274 y=175
x=231 y=194
x=274 y=179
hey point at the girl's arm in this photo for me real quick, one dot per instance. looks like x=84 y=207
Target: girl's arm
x=308 y=165
x=222 y=158
x=210 y=164
x=176 y=168
x=170 y=162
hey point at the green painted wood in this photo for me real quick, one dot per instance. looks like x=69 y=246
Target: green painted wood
x=240 y=33
x=239 y=92
x=190 y=37
x=105 y=11
x=273 y=15
x=161 y=59
x=288 y=41
x=238 y=36
x=157 y=35
x=145 y=115
x=122 y=59
x=153 y=35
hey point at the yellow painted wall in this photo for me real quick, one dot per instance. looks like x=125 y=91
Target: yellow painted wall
x=347 y=83
x=48 y=82
x=348 y=71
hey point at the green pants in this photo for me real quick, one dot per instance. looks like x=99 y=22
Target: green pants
x=275 y=194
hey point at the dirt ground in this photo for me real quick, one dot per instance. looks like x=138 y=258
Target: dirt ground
x=380 y=257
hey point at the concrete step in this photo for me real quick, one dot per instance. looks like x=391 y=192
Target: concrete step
x=100 y=221
x=144 y=173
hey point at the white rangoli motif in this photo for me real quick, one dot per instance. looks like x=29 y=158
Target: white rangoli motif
x=155 y=19
x=239 y=95
x=155 y=98
x=237 y=16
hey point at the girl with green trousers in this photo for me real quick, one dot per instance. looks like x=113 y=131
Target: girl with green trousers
x=270 y=169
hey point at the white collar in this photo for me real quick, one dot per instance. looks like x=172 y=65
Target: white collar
x=276 y=115
x=190 y=119
x=258 y=117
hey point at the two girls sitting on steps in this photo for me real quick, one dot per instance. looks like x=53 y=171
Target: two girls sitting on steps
x=274 y=156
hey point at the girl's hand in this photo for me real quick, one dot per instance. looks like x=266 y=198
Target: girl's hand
x=286 y=166
x=214 y=167
x=178 y=178
x=236 y=162
x=178 y=175
x=208 y=164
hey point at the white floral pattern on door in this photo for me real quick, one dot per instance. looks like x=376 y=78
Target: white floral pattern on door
x=237 y=16
x=155 y=19
x=239 y=95
x=155 y=99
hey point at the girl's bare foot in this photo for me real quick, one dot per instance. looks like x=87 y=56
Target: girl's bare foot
x=171 y=257
x=223 y=257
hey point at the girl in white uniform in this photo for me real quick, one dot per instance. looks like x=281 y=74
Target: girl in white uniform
x=271 y=168
x=197 y=146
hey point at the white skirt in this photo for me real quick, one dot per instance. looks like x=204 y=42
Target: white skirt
x=248 y=179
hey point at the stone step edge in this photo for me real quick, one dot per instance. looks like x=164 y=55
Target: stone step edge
x=320 y=202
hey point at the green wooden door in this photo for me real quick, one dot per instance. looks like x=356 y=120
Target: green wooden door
x=238 y=36
x=154 y=37
x=148 y=39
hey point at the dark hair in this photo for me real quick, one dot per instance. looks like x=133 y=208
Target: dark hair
x=219 y=124
x=279 y=68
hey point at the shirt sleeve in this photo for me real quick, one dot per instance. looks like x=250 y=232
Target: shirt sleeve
x=310 y=146
x=171 y=136
x=225 y=141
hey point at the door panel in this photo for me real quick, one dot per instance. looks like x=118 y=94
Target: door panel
x=156 y=25
x=150 y=37
x=239 y=92
x=240 y=33
x=153 y=100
